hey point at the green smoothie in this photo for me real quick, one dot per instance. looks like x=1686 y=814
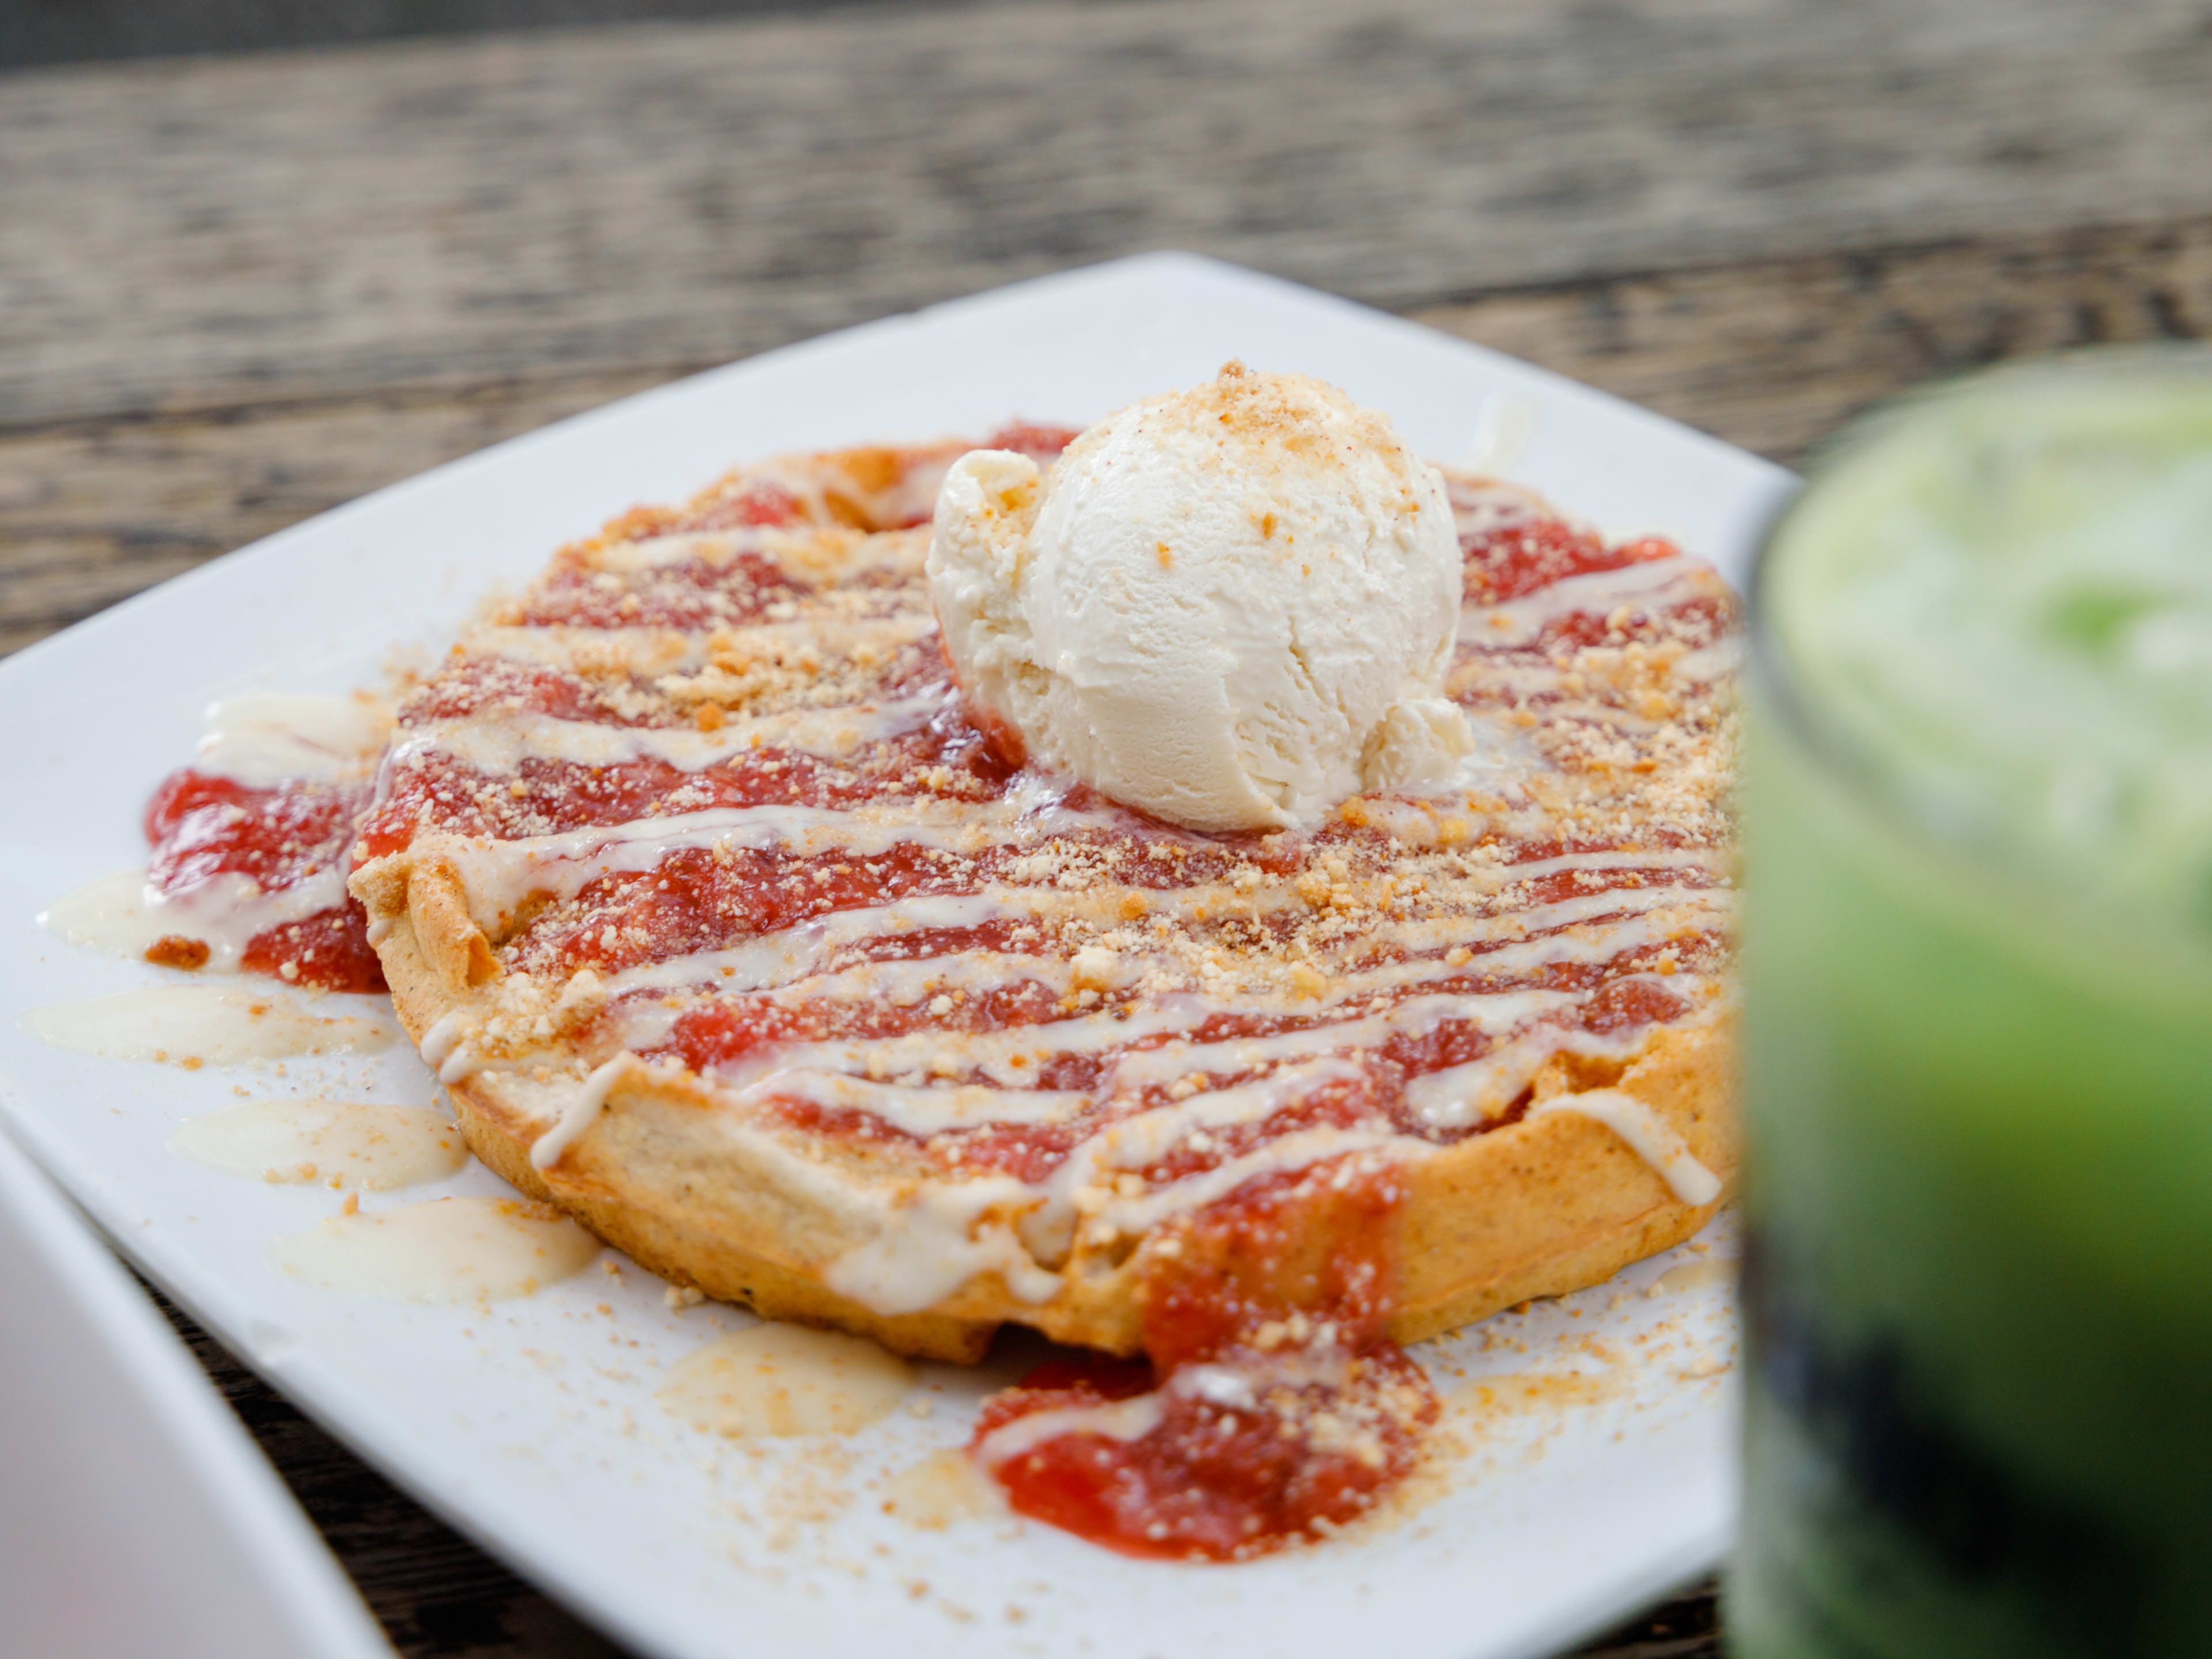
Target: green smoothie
x=1977 y=970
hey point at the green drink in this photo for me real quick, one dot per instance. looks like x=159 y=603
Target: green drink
x=1978 y=987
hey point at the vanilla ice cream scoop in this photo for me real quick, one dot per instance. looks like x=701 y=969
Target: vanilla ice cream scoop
x=1232 y=606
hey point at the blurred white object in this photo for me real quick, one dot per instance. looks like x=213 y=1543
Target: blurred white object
x=136 y=1516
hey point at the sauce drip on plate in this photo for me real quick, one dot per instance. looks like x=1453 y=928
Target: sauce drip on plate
x=1272 y=1407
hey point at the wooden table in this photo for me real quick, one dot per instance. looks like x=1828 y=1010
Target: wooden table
x=234 y=292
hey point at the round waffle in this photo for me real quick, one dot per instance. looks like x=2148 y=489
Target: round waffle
x=730 y=937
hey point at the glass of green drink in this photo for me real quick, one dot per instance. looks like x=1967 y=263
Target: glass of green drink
x=1977 y=970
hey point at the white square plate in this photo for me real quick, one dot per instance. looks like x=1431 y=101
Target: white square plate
x=532 y=1423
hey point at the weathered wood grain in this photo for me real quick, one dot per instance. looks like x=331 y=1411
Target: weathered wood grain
x=74 y=31
x=93 y=511
x=1768 y=355
x=1771 y=354
x=183 y=232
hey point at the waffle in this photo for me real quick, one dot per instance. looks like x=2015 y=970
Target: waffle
x=730 y=936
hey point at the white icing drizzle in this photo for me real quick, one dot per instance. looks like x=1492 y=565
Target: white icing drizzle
x=923 y=978
x=108 y=912
x=928 y=1250
x=652 y=653
x=583 y=1109
x=1498 y=1011
x=191 y=1024
x=496 y=747
x=924 y=1247
x=1010 y=1057
x=916 y=1110
x=908 y=982
x=226 y=911
x=935 y=1242
x=1481 y=505
x=262 y=739
x=921 y=1245
x=1656 y=584
x=645 y=653
x=792 y=958
x=709 y=547
x=817 y=552
x=1649 y=1136
x=1567 y=921
x=1122 y=1419
x=826 y=637
x=1723 y=657
x=820 y=1073
x=1134 y=1142
x=497 y=876
x=1050 y=1226
x=445 y=1052
x=1610 y=715
x=824 y=1071
x=1496 y=679
x=1480 y=1089
x=1239 y=1386
x=794 y=953
x=1593 y=941
x=1648 y=858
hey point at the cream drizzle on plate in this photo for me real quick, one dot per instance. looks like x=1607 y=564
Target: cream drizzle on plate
x=448 y=1249
x=943 y=1488
x=785 y=1380
x=352 y=1143
x=190 y=1025
x=261 y=739
x=123 y=916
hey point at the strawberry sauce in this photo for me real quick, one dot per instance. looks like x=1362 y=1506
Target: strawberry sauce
x=201 y=827
x=1272 y=1407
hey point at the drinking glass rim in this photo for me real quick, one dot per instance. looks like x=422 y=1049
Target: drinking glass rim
x=1983 y=862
